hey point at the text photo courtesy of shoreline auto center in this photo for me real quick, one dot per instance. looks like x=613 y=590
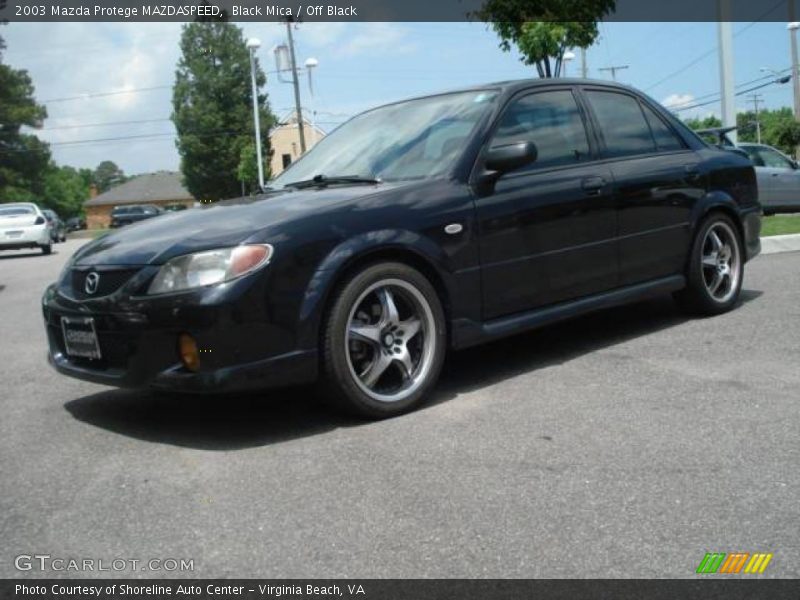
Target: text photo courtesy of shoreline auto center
x=475 y=299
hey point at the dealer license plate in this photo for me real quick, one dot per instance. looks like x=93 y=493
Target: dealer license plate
x=80 y=337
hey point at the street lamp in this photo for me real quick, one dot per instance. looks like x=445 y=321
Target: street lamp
x=253 y=45
x=311 y=64
x=568 y=56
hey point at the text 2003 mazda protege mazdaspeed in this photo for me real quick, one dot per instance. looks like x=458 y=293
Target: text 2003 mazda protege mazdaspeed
x=435 y=223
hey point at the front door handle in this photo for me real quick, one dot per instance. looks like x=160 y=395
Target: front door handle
x=593 y=185
x=692 y=171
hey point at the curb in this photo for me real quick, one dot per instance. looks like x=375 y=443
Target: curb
x=776 y=244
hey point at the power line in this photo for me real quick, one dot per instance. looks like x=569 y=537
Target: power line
x=752 y=89
x=714 y=49
x=715 y=95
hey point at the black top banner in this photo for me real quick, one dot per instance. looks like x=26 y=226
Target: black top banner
x=375 y=10
x=393 y=589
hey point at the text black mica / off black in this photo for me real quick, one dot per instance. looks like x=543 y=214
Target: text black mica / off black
x=414 y=228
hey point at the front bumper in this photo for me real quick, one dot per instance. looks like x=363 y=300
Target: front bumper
x=240 y=350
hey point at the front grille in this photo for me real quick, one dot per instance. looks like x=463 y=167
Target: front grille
x=110 y=280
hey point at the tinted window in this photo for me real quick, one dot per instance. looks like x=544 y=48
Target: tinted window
x=754 y=156
x=13 y=211
x=622 y=123
x=664 y=136
x=550 y=120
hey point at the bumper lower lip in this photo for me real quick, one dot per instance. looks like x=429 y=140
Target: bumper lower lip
x=293 y=368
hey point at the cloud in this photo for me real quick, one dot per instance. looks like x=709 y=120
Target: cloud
x=674 y=101
x=375 y=38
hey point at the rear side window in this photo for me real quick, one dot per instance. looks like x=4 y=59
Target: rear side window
x=622 y=123
x=665 y=138
x=552 y=121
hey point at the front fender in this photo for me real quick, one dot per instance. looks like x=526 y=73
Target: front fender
x=386 y=242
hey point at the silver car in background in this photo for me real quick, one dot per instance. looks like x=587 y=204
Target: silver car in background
x=22 y=225
x=778 y=178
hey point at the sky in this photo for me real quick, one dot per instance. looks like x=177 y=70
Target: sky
x=113 y=80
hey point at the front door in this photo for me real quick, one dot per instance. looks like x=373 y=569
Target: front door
x=547 y=231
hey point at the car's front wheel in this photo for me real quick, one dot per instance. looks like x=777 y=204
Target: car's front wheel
x=384 y=341
x=716 y=267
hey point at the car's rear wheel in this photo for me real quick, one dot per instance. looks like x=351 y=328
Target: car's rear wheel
x=384 y=341
x=716 y=267
x=47 y=249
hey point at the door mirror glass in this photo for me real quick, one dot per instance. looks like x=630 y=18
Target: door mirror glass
x=509 y=157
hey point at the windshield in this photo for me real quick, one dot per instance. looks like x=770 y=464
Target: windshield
x=409 y=140
x=12 y=211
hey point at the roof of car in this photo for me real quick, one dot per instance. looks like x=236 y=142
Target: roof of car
x=512 y=85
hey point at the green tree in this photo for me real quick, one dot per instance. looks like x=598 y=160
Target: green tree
x=212 y=108
x=23 y=157
x=542 y=30
x=247 y=171
x=107 y=175
x=64 y=190
x=708 y=122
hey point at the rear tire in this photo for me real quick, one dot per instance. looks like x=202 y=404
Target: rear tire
x=47 y=249
x=384 y=341
x=716 y=268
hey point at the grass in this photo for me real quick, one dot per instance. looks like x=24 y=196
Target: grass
x=780 y=225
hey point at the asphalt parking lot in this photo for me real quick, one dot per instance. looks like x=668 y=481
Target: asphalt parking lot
x=624 y=444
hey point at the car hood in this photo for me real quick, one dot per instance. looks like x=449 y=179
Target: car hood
x=218 y=225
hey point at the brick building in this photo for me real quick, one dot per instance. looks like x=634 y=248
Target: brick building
x=161 y=189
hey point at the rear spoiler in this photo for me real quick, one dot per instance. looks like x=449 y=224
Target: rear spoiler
x=720 y=138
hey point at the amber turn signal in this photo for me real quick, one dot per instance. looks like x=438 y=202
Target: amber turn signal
x=187 y=348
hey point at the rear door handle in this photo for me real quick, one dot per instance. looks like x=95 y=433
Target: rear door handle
x=593 y=185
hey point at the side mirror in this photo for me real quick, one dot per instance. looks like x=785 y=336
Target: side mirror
x=503 y=159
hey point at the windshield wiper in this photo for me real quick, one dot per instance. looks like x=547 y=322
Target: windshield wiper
x=323 y=180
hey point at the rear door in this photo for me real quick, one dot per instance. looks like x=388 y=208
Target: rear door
x=548 y=231
x=657 y=181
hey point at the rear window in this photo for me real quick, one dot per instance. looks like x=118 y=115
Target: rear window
x=11 y=211
x=122 y=210
x=622 y=122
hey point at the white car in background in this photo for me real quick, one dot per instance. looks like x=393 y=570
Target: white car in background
x=22 y=225
x=778 y=178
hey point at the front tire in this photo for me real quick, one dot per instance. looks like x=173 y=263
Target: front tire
x=384 y=341
x=716 y=268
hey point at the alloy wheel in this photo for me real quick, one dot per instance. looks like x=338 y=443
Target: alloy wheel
x=391 y=341
x=721 y=262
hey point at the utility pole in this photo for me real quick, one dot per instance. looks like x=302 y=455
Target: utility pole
x=614 y=70
x=584 y=67
x=297 y=108
x=756 y=98
x=793 y=26
x=725 y=33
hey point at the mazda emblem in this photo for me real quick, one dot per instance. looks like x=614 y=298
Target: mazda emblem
x=92 y=281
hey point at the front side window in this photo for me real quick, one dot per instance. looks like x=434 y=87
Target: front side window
x=552 y=121
x=770 y=158
x=622 y=123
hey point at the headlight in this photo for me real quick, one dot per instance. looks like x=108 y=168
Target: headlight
x=210 y=267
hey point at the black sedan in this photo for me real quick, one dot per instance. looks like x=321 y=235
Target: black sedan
x=125 y=215
x=430 y=224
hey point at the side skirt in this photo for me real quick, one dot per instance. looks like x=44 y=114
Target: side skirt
x=466 y=332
